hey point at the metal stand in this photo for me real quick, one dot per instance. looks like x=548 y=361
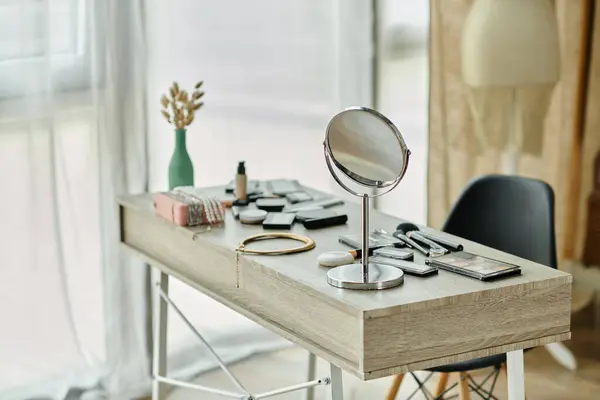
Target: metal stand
x=159 y=363
x=159 y=359
x=309 y=394
x=365 y=276
x=337 y=386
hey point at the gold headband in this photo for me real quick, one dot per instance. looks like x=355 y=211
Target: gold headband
x=309 y=244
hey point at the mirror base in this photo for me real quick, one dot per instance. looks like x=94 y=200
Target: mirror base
x=350 y=276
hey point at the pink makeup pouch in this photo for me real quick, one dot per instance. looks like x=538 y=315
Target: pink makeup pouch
x=185 y=207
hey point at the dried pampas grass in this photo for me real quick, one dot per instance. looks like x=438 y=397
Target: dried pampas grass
x=183 y=105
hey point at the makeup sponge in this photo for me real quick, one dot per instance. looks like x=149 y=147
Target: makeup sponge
x=335 y=258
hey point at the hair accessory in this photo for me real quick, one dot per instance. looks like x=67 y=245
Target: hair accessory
x=309 y=244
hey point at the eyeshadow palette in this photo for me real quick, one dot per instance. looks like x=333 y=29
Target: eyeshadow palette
x=475 y=266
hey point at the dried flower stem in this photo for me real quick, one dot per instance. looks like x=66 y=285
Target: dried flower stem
x=183 y=105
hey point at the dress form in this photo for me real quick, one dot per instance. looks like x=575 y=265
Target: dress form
x=510 y=64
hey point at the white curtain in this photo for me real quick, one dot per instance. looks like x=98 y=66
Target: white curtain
x=403 y=96
x=76 y=77
x=72 y=136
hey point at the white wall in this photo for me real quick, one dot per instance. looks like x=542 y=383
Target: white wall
x=271 y=78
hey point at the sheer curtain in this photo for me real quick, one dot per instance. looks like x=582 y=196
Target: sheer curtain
x=71 y=137
x=73 y=81
x=403 y=95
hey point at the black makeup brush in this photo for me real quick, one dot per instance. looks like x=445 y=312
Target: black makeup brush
x=401 y=234
x=413 y=231
x=407 y=227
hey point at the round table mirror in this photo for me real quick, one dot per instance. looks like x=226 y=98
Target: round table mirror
x=364 y=146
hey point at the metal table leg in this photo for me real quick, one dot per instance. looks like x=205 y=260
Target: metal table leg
x=309 y=394
x=159 y=360
x=337 y=386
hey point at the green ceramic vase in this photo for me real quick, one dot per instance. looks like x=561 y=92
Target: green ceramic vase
x=181 y=169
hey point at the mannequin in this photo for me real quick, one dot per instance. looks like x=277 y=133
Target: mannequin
x=510 y=63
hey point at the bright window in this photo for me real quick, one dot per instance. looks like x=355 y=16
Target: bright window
x=35 y=34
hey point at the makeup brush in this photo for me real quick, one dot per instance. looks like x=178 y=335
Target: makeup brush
x=449 y=244
x=401 y=234
x=412 y=231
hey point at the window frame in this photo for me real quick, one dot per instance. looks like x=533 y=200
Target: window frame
x=66 y=71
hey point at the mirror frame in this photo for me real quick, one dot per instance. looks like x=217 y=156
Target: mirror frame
x=361 y=180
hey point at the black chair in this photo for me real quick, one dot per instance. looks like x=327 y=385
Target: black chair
x=508 y=213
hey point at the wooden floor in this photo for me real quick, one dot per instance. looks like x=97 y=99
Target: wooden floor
x=545 y=379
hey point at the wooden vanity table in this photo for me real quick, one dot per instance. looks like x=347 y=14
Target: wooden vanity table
x=425 y=322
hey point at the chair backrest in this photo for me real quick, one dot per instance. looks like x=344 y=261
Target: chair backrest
x=509 y=213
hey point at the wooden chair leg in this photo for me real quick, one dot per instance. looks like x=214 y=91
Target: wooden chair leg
x=442 y=383
x=463 y=383
x=395 y=387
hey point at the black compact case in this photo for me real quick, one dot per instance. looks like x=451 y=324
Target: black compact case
x=316 y=223
x=277 y=220
x=271 y=205
x=305 y=215
x=315 y=219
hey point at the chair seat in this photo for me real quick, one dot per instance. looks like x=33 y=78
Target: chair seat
x=469 y=365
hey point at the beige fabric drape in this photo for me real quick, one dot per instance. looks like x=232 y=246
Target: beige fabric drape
x=591 y=138
x=454 y=153
x=501 y=115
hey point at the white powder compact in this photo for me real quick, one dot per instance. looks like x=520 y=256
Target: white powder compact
x=253 y=217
